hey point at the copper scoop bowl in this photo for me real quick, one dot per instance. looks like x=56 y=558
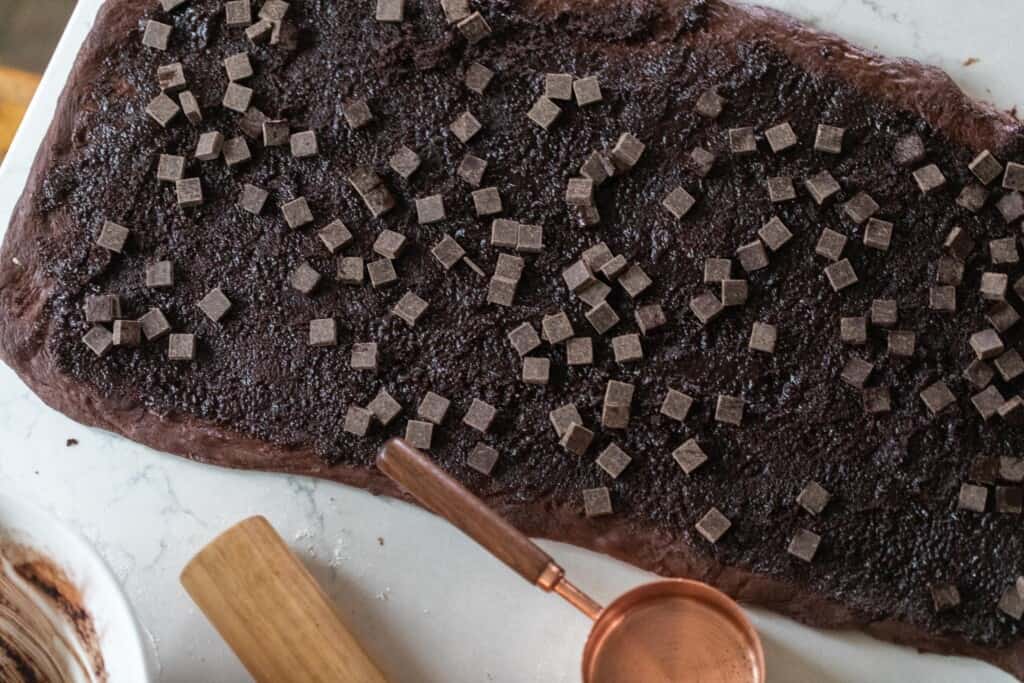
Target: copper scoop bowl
x=668 y=631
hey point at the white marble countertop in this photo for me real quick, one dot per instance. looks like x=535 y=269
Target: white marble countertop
x=427 y=603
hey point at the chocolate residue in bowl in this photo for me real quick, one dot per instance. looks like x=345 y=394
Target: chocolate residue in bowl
x=46 y=633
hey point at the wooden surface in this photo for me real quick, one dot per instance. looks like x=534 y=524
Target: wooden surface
x=418 y=475
x=16 y=90
x=271 y=611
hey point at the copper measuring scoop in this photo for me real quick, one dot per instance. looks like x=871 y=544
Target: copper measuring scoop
x=669 y=631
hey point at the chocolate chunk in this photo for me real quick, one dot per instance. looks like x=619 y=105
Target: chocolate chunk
x=830 y=244
x=986 y=344
x=209 y=146
x=942 y=298
x=702 y=161
x=1009 y=365
x=706 y=307
x=465 y=127
x=780 y=189
x=909 y=150
x=1011 y=469
x=154 y=324
x=678 y=202
x=237 y=13
x=410 y=307
x=987 y=402
x=472 y=170
x=162 y=109
x=357 y=113
x=168 y=5
x=260 y=32
x=237 y=97
x=710 y=104
x=613 y=460
x=676 y=405
x=236 y=151
x=752 y=256
x=587 y=91
x=364 y=356
x=544 y=112
x=902 y=343
x=937 y=397
x=829 y=139
x=190 y=107
x=384 y=407
x=1014 y=178
x=1012 y=411
x=170 y=168
x=455 y=10
x=1011 y=603
x=929 y=178
x=627 y=348
x=958 y=244
x=841 y=275
x=973 y=197
x=504 y=233
x=804 y=545
x=993 y=286
x=561 y=418
x=594 y=294
x=474 y=28
x=984 y=470
x=579 y=351
x=602 y=317
x=650 y=318
x=160 y=275
x=717 y=270
x=577 y=276
x=597 y=168
x=304 y=144
x=856 y=372
x=614 y=267
x=433 y=408
x=531 y=239
x=1003 y=251
x=390 y=11
x=774 y=234
x=972 y=498
x=304 y=278
x=404 y=162
x=878 y=234
x=618 y=393
x=297 y=213
x=1011 y=206
x=357 y=421
x=509 y=267
x=884 y=313
x=251 y=124
x=945 y=596
x=156 y=35
x=389 y=244
x=763 y=337
x=861 y=207
x=813 y=498
x=419 y=434
x=556 y=328
x=276 y=133
x=274 y=10
x=635 y=281
x=742 y=141
x=480 y=415
x=579 y=192
x=252 y=199
x=729 y=410
x=238 y=66
x=877 y=400
x=482 y=458
x=112 y=237
x=558 y=86
x=334 y=235
x=979 y=374
x=822 y=186
x=350 y=270
x=1002 y=316
x=597 y=502
x=487 y=201
x=853 y=330
x=734 y=292
x=127 y=333
x=689 y=456
x=181 y=347
x=215 y=304
x=478 y=77
x=1009 y=499
x=536 y=370
x=382 y=273
x=102 y=308
x=627 y=152
x=448 y=252
x=781 y=137
x=713 y=525
x=99 y=340
x=949 y=271
x=430 y=209
x=986 y=167
x=524 y=338
x=171 y=77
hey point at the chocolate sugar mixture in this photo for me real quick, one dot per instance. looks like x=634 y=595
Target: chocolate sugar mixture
x=770 y=282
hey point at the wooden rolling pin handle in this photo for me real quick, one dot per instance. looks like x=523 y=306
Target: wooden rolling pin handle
x=272 y=612
x=429 y=484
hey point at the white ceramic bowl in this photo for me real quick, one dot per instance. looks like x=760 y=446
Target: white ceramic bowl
x=125 y=655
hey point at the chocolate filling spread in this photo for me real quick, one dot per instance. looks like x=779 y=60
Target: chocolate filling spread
x=892 y=527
